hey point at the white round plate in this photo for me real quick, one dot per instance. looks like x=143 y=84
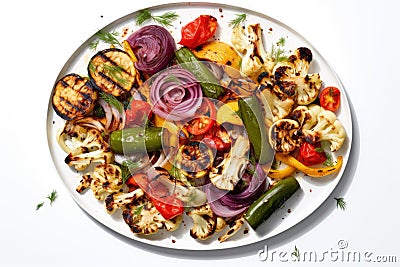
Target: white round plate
x=306 y=200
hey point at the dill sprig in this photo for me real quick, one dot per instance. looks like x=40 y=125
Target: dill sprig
x=52 y=196
x=340 y=203
x=106 y=37
x=240 y=18
x=165 y=19
x=112 y=100
x=278 y=53
x=39 y=205
x=116 y=73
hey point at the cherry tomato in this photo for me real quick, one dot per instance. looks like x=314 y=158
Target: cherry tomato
x=218 y=138
x=168 y=206
x=138 y=113
x=311 y=155
x=203 y=124
x=330 y=98
x=198 y=31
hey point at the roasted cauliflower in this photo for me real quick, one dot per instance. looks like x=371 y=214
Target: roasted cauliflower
x=248 y=41
x=327 y=128
x=104 y=180
x=293 y=79
x=144 y=218
x=84 y=145
x=118 y=200
x=204 y=222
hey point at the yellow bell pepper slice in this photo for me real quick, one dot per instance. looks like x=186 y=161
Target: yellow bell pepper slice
x=281 y=173
x=313 y=172
x=129 y=50
x=218 y=52
x=228 y=113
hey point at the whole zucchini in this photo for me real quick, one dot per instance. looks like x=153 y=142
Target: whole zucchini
x=270 y=201
x=136 y=139
x=209 y=84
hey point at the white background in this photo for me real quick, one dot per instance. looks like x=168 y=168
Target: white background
x=360 y=39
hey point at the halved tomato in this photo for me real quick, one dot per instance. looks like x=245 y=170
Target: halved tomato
x=329 y=98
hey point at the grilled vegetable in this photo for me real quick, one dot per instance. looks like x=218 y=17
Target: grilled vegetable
x=209 y=84
x=263 y=207
x=112 y=71
x=252 y=115
x=218 y=52
x=73 y=97
x=136 y=139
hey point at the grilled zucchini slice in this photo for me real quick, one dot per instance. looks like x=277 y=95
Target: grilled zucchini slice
x=112 y=71
x=73 y=96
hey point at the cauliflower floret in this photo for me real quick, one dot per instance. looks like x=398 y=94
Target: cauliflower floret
x=85 y=145
x=293 y=79
x=328 y=128
x=173 y=223
x=248 y=41
x=234 y=227
x=104 y=180
x=279 y=104
x=285 y=135
x=144 y=218
x=306 y=116
x=226 y=175
x=119 y=199
x=204 y=222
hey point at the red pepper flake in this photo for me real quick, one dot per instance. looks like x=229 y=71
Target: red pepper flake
x=173 y=241
x=246 y=231
x=289 y=210
x=220 y=10
x=125 y=31
x=310 y=190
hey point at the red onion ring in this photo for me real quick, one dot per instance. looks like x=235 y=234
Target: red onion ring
x=228 y=204
x=154 y=48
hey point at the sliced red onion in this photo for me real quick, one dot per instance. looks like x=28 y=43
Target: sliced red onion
x=114 y=119
x=107 y=111
x=175 y=94
x=154 y=48
x=228 y=204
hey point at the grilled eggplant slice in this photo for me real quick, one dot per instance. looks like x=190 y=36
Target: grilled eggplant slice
x=73 y=96
x=112 y=71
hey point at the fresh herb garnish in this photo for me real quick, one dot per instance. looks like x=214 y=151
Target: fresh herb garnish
x=329 y=160
x=106 y=37
x=340 y=203
x=165 y=19
x=325 y=148
x=52 y=196
x=138 y=210
x=112 y=100
x=240 y=18
x=296 y=253
x=319 y=150
x=38 y=206
x=278 y=53
x=116 y=73
x=281 y=42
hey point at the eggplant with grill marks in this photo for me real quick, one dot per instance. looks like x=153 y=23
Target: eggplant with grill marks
x=112 y=71
x=73 y=96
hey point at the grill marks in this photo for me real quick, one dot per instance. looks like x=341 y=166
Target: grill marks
x=112 y=71
x=73 y=96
